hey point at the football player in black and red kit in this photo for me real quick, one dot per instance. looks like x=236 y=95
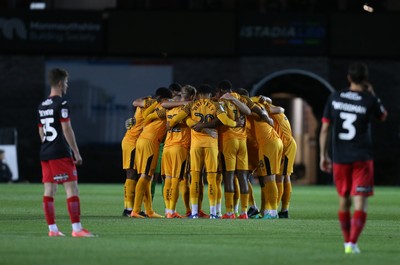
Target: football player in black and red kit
x=349 y=112
x=58 y=154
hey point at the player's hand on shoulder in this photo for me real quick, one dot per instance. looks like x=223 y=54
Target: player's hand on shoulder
x=270 y=121
x=240 y=121
x=265 y=99
x=265 y=117
x=211 y=132
x=168 y=126
x=198 y=127
x=129 y=123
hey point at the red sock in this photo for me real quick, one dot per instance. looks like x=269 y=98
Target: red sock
x=48 y=208
x=74 y=209
x=344 y=219
x=357 y=225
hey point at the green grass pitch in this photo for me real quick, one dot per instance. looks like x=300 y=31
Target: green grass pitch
x=310 y=236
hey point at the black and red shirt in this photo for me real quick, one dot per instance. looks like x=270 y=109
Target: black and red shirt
x=51 y=113
x=350 y=114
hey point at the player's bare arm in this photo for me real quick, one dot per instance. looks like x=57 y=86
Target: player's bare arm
x=242 y=107
x=70 y=137
x=276 y=110
x=207 y=127
x=263 y=115
x=265 y=99
x=325 y=162
x=173 y=104
x=140 y=102
x=41 y=134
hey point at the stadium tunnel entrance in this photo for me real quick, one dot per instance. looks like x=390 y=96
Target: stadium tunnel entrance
x=303 y=94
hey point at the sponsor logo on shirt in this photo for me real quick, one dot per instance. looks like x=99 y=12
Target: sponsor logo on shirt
x=351 y=95
x=47 y=102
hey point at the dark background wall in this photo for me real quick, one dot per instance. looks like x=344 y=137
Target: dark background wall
x=208 y=51
x=23 y=87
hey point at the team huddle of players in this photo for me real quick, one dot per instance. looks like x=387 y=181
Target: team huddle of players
x=221 y=135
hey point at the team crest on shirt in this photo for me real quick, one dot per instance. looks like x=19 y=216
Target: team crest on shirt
x=64 y=113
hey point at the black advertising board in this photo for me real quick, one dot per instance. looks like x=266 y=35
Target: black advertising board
x=282 y=34
x=51 y=32
x=171 y=33
x=365 y=35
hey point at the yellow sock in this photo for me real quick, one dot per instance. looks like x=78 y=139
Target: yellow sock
x=194 y=187
x=252 y=202
x=174 y=194
x=167 y=193
x=219 y=188
x=201 y=193
x=244 y=202
x=129 y=193
x=263 y=200
x=229 y=202
x=184 y=190
x=236 y=196
x=140 y=190
x=212 y=188
x=287 y=193
x=279 y=185
x=271 y=195
x=148 y=199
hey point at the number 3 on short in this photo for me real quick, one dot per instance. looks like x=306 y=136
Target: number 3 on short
x=50 y=132
x=348 y=120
